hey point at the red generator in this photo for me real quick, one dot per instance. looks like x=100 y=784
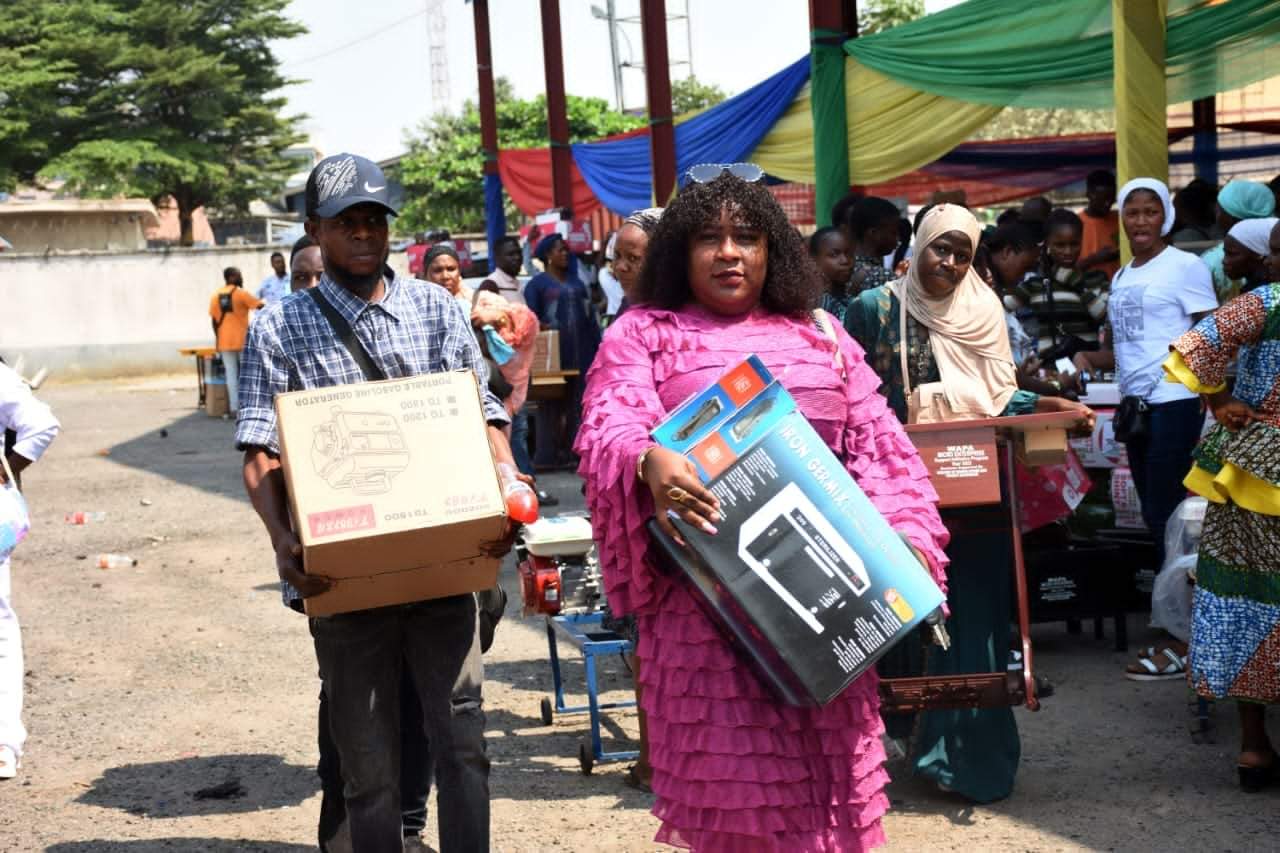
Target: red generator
x=559 y=573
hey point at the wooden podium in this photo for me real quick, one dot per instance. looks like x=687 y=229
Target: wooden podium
x=965 y=460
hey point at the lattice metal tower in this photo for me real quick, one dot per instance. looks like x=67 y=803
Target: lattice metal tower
x=438 y=46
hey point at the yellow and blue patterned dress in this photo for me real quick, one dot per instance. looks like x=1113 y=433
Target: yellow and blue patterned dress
x=1235 y=626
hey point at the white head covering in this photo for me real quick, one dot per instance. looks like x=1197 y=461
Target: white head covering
x=1254 y=234
x=967 y=330
x=1159 y=189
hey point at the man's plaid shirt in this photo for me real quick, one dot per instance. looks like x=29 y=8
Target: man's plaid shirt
x=416 y=328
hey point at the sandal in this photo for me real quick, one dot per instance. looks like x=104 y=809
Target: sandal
x=633 y=780
x=1165 y=665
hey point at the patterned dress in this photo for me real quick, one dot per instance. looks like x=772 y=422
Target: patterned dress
x=733 y=768
x=1235 y=621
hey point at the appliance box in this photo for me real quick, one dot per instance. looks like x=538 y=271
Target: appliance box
x=392 y=489
x=804 y=573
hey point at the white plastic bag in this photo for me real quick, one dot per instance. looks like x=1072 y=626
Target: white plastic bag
x=14 y=520
x=1171 y=593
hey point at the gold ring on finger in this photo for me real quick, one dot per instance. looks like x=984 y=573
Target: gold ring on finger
x=677 y=494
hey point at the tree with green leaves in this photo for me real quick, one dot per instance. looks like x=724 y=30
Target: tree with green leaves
x=147 y=97
x=443 y=172
x=878 y=15
x=692 y=94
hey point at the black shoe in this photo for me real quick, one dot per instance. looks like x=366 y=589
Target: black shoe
x=547 y=499
x=415 y=844
x=1255 y=779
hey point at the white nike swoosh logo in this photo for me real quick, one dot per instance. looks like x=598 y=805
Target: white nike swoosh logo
x=370 y=189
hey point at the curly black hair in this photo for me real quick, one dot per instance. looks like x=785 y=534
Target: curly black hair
x=792 y=284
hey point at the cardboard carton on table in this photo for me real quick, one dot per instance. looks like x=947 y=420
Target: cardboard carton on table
x=392 y=488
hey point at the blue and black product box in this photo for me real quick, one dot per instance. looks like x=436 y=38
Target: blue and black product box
x=804 y=573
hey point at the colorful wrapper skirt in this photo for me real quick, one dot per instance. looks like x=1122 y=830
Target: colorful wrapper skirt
x=1235 y=625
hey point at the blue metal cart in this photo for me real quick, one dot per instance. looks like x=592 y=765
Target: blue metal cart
x=586 y=633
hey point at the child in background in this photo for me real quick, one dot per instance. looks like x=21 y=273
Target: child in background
x=1100 y=234
x=830 y=251
x=1076 y=303
x=873 y=225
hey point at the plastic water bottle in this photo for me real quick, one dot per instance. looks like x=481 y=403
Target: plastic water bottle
x=115 y=561
x=522 y=501
x=85 y=517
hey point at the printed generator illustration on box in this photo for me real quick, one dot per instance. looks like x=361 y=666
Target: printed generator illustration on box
x=360 y=451
x=804 y=572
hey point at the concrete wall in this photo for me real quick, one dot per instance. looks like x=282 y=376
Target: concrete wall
x=97 y=314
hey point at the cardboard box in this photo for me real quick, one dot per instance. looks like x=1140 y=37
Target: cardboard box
x=392 y=487
x=1038 y=447
x=1101 y=450
x=546 y=352
x=216 y=401
x=805 y=575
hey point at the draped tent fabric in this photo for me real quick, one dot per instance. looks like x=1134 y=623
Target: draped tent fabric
x=915 y=92
x=618 y=170
x=526 y=176
x=830 y=121
x=1058 y=53
x=495 y=217
x=892 y=129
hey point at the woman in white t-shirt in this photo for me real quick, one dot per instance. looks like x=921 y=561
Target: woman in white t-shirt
x=1155 y=298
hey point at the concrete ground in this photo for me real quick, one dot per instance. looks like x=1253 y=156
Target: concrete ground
x=147 y=684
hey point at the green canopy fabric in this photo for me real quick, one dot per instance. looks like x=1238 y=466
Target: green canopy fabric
x=1058 y=53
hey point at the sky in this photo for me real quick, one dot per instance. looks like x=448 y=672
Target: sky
x=366 y=75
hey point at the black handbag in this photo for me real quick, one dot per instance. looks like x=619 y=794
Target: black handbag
x=1132 y=420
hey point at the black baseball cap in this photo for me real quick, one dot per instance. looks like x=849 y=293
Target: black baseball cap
x=343 y=180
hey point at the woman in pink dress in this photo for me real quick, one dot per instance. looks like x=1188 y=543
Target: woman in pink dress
x=735 y=769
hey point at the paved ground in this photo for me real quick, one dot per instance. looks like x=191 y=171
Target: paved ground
x=149 y=683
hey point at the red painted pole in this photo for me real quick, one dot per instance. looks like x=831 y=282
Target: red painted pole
x=488 y=105
x=657 y=82
x=557 y=119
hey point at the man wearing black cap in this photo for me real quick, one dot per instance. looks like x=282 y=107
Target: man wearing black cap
x=406 y=328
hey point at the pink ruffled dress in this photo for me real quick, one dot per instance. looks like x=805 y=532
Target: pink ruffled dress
x=735 y=769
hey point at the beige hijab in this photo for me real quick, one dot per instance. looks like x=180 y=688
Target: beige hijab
x=967 y=329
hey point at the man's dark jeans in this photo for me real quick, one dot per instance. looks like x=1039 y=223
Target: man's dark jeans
x=1160 y=462
x=361 y=656
x=415 y=772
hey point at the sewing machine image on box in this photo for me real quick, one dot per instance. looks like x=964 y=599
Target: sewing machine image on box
x=360 y=451
x=788 y=537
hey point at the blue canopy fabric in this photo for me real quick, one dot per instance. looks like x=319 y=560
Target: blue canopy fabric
x=619 y=172
x=495 y=218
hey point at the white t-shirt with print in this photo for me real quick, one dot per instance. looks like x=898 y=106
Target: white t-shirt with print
x=1150 y=307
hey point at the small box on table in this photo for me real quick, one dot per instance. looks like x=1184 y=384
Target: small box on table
x=392 y=488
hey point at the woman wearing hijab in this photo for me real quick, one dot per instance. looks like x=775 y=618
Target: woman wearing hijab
x=1155 y=298
x=938 y=340
x=559 y=299
x=1235 y=613
x=1245 y=251
x=1238 y=200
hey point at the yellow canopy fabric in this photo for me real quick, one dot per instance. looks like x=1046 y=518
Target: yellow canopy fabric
x=893 y=129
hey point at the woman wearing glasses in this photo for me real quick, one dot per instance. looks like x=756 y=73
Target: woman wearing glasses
x=725 y=275
x=952 y=331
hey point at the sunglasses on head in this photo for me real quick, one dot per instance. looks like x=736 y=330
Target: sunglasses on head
x=705 y=173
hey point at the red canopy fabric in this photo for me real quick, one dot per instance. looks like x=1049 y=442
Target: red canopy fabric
x=526 y=177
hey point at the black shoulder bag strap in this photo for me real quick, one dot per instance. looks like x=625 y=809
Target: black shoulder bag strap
x=343 y=330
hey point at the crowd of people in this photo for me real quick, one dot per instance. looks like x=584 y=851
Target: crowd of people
x=872 y=323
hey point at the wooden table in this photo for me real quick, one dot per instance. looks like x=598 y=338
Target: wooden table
x=550 y=386
x=201 y=355
x=965 y=460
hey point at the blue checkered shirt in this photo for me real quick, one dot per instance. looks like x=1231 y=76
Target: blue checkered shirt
x=416 y=328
